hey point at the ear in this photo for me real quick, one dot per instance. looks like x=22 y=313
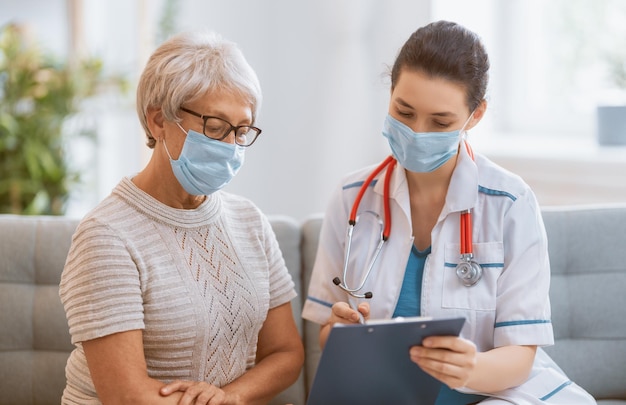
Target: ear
x=155 y=122
x=479 y=113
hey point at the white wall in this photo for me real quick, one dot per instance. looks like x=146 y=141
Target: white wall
x=321 y=65
x=322 y=68
x=46 y=19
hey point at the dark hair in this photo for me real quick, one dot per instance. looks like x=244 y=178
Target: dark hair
x=447 y=50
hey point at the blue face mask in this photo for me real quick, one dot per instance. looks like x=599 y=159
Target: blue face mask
x=421 y=152
x=205 y=165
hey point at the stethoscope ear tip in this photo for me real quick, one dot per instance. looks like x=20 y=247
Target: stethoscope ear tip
x=336 y=281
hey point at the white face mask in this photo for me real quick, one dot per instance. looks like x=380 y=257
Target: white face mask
x=205 y=165
x=421 y=152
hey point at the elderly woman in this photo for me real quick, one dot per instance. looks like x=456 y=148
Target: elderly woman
x=177 y=292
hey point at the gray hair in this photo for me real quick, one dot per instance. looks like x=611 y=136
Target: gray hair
x=186 y=67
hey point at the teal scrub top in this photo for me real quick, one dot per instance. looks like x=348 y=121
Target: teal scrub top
x=409 y=305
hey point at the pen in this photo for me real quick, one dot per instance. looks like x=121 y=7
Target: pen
x=354 y=305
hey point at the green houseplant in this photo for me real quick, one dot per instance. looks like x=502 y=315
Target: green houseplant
x=37 y=95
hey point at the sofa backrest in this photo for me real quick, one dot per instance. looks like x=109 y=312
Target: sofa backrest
x=288 y=234
x=587 y=248
x=587 y=253
x=34 y=337
x=310 y=238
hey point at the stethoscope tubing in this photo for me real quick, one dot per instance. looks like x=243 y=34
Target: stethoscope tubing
x=389 y=163
x=466 y=233
x=468 y=270
x=344 y=285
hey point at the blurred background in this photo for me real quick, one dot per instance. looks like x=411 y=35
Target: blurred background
x=323 y=68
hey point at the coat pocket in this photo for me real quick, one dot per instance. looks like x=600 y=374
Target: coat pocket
x=482 y=295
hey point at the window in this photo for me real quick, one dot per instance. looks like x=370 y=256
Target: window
x=551 y=60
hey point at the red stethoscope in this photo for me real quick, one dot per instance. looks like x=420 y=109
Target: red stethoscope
x=468 y=270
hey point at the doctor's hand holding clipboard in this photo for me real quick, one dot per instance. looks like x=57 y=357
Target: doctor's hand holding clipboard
x=438 y=231
x=449 y=359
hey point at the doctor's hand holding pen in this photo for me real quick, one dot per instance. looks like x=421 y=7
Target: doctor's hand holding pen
x=342 y=312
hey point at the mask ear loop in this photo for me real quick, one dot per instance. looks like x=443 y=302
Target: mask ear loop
x=166 y=150
x=165 y=145
x=462 y=131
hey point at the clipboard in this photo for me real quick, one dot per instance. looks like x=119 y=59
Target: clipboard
x=369 y=363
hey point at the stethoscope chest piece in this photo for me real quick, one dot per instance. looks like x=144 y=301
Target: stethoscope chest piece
x=468 y=271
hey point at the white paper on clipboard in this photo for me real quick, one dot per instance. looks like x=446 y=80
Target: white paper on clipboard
x=369 y=363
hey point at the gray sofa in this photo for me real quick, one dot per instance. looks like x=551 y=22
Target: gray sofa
x=587 y=252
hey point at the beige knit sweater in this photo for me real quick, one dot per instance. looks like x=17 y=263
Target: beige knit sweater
x=198 y=283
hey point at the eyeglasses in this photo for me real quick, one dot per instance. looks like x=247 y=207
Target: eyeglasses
x=218 y=129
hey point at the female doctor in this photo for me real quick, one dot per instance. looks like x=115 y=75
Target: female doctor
x=462 y=237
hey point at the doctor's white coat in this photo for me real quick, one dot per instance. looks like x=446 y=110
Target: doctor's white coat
x=508 y=306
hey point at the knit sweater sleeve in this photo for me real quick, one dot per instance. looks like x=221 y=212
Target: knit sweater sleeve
x=100 y=286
